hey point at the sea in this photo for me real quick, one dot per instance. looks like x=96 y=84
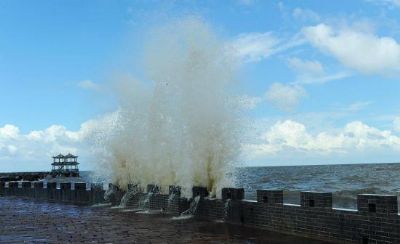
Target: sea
x=344 y=181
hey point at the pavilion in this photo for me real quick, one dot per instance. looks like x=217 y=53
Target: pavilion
x=65 y=165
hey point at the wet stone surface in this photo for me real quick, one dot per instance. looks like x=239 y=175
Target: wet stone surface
x=28 y=221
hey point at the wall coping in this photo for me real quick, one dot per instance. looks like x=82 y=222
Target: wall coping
x=379 y=195
x=247 y=200
x=346 y=209
x=291 y=204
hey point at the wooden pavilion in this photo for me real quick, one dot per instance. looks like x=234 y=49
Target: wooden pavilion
x=65 y=165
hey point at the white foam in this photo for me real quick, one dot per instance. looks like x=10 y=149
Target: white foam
x=181 y=127
x=182 y=217
x=100 y=205
x=150 y=212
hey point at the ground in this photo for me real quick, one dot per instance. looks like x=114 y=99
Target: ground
x=28 y=221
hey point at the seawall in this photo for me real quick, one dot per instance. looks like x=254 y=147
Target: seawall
x=27 y=176
x=376 y=219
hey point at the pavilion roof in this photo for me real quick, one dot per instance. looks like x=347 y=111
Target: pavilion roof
x=59 y=156
x=69 y=155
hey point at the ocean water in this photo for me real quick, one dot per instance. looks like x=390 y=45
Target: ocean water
x=344 y=181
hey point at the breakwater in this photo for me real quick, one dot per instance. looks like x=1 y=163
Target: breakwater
x=19 y=176
x=376 y=219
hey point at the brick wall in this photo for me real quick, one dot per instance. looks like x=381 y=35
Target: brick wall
x=64 y=192
x=2 y=190
x=376 y=219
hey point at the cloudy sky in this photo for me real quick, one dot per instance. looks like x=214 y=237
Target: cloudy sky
x=320 y=82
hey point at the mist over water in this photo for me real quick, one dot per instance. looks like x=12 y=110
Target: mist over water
x=180 y=126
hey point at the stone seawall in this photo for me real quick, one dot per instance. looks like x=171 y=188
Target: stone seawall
x=376 y=219
x=19 y=176
x=73 y=193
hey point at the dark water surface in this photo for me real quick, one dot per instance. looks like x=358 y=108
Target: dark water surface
x=345 y=181
x=27 y=221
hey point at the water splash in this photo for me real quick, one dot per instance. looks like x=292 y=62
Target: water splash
x=193 y=207
x=101 y=205
x=182 y=217
x=108 y=193
x=144 y=201
x=128 y=196
x=227 y=208
x=171 y=198
x=180 y=126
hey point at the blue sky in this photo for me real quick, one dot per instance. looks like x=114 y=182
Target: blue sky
x=320 y=81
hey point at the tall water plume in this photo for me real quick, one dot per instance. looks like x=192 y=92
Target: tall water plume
x=181 y=127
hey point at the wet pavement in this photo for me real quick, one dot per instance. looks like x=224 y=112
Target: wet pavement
x=28 y=221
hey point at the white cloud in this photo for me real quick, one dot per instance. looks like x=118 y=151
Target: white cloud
x=357 y=106
x=285 y=97
x=305 y=15
x=288 y=137
x=306 y=66
x=88 y=85
x=249 y=102
x=325 y=78
x=254 y=47
x=357 y=49
x=9 y=132
x=12 y=149
x=33 y=150
x=391 y=3
x=312 y=71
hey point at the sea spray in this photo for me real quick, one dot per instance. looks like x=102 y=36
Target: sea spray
x=179 y=126
x=227 y=209
x=108 y=193
x=193 y=207
x=131 y=193
x=171 y=199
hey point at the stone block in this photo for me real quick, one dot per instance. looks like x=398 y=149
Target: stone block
x=2 y=188
x=270 y=196
x=26 y=189
x=80 y=194
x=12 y=188
x=133 y=187
x=51 y=191
x=66 y=192
x=39 y=191
x=151 y=188
x=175 y=190
x=199 y=191
x=377 y=204
x=316 y=199
x=232 y=193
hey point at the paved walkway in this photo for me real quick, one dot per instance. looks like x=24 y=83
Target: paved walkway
x=27 y=221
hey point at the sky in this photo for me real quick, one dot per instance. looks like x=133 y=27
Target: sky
x=319 y=82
